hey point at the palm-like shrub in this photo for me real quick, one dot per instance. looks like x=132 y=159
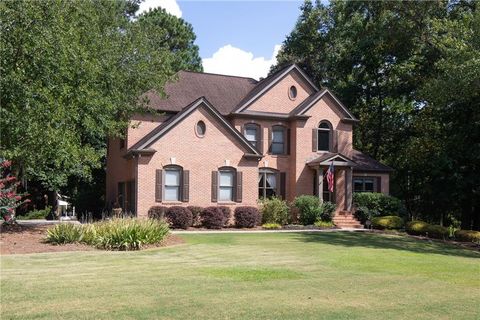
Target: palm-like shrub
x=64 y=233
x=179 y=217
x=247 y=217
x=115 y=234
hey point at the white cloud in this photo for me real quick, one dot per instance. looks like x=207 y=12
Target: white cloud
x=236 y=62
x=171 y=6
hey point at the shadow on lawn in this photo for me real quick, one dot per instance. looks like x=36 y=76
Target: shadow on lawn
x=375 y=241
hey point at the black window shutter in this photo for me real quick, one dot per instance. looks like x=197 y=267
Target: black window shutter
x=214 y=185
x=186 y=186
x=260 y=139
x=314 y=140
x=158 y=185
x=283 y=185
x=379 y=184
x=238 y=191
x=289 y=139
x=269 y=140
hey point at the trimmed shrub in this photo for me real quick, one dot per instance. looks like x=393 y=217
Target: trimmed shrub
x=247 y=217
x=274 y=210
x=424 y=229
x=36 y=214
x=311 y=209
x=64 y=233
x=179 y=217
x=468 y=236
x=196 y=213
x=324 y=224
x=157 y=212
x=271 y=226
x=114 y=234
x=387 y=222
x=373 y=204
x=227 y=213
x=213 y=218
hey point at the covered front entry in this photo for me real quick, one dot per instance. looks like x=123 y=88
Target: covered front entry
x=342 y=188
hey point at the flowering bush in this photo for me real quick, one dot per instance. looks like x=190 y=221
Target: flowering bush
x=9 y=199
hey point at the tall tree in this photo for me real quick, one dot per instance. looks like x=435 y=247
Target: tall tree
x=72 y=72
x=387 y=61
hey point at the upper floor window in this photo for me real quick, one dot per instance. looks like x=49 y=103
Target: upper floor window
x=172 y=188
x=251 y=132
x=292 y=92
x=200 y=128
x=226 y=179
x=323 y=136
x=278 y=140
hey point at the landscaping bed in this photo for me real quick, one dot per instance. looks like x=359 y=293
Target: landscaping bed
x=22 y=239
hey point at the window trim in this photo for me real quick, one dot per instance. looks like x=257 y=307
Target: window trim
x=330 y=134
x=363 y=183
x=284 y=143
x=233 y=171
x=257 y=133
x=172 y=167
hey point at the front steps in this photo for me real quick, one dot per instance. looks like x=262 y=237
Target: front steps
x=345 y=219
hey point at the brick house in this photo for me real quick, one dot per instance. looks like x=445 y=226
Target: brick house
x=231 y=140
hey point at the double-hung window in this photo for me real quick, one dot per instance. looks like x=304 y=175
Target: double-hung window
x=251 y=133
x=226 y=185
x=323 y=136
x=278 y=140
x=172 y=184
x=267 y=184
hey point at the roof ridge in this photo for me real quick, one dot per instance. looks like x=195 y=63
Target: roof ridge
x=218 y=74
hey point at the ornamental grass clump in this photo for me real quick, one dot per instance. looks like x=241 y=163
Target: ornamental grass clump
x=114 y=234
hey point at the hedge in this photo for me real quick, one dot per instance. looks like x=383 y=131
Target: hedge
x=179 y=217
x=387 y=222
x=468 y=236
x=247 y=217
x=424 y=229
x=213 y=218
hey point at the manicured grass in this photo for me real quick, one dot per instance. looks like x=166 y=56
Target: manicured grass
x=249 y=276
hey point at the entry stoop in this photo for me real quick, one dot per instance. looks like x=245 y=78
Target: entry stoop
x=345 y=219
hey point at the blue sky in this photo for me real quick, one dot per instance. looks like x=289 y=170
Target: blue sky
x=236 y=37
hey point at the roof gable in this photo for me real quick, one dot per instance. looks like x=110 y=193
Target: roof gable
x=266 y=84
x=146 y=142
x=313 y=99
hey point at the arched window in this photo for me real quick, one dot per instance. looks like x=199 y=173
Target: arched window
x=251 y=132
x=226 y=184
x=278 y=140
x=324 y=136
x=267 y=183
x=173 y=182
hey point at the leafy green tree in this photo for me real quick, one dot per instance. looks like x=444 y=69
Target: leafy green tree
x=72 y=73
x=409 y=71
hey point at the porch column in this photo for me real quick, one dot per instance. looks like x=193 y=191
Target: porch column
x=320 y=183
x=348 y=189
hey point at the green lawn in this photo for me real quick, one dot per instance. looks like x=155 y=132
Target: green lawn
x=249 y=276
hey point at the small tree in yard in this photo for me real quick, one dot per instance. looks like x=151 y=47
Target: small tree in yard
x=9 y=199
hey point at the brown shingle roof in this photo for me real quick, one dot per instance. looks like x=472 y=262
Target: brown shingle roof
x=224 y=92
x=367 y=163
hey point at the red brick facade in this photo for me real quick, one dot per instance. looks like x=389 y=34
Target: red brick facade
x=144 y=156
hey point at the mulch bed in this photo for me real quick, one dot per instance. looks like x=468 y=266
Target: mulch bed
x=21 y=239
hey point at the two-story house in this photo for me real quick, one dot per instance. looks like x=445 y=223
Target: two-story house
x=225 y=140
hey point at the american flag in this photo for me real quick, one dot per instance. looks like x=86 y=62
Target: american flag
x=330 y=177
